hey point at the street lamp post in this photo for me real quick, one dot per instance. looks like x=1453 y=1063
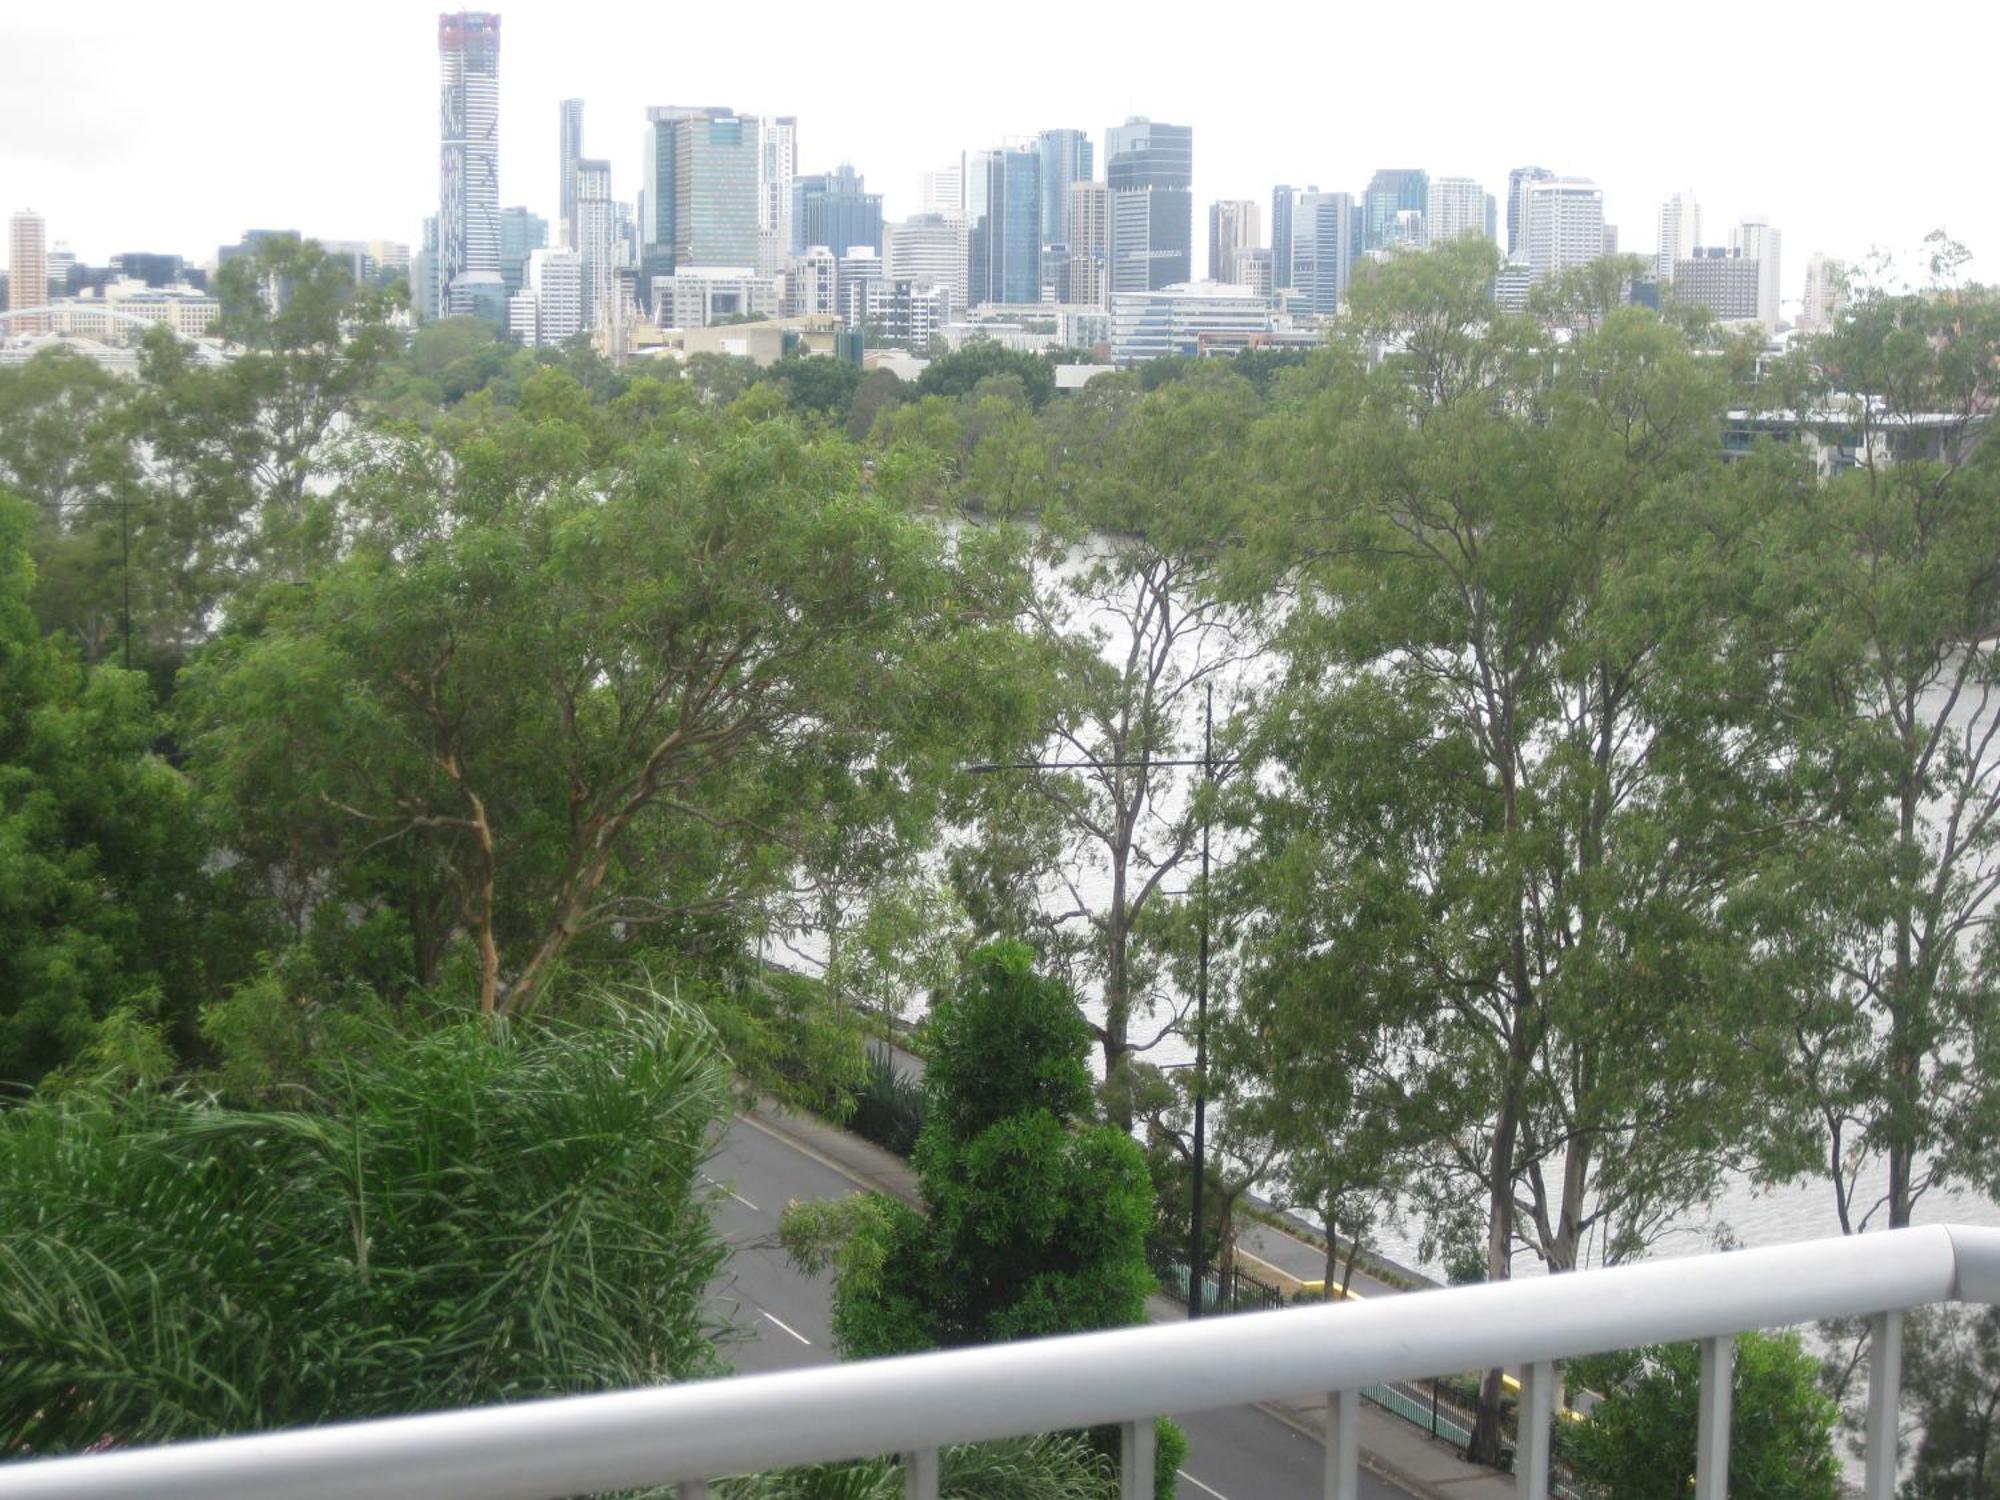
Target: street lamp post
x=1208 y=764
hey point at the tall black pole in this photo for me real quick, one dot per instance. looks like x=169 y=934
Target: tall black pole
x=1195 y=1256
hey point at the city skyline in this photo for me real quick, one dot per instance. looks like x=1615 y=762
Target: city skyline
x=68 y=148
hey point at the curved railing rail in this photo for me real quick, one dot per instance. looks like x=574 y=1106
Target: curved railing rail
x=686 y=1434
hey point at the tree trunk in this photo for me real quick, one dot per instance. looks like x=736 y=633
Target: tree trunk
x=1117 y=1003
x=1353 y=1254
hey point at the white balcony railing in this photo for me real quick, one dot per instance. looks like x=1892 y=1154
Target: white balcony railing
x=689 y=1434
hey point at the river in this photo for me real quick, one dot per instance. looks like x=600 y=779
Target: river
x=1746 y=1212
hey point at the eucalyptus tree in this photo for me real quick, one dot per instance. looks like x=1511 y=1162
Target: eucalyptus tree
x=1510 y=689
x=576 y=673
x=1889 y=677
x=237 y=453
x=1145 y=498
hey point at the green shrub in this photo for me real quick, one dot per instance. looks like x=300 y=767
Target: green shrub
x=459 y=1217
x=888 y=1107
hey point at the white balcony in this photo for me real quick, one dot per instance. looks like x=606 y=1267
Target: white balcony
x=690 y=1434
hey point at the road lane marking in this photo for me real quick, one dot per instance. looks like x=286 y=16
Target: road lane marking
x=792 y=1143
x=732 y=1193
x=808 y=1343
x=1200 y=1486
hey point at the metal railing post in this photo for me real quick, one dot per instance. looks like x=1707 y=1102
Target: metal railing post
x=1885 y=1389
x=1343 y=1445
x=920 y=1474
x=1135 y=1460
x=1711 y=1461
x=1531 y=1450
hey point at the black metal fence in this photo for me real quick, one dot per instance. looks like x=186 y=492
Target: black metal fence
x=1238 y=1291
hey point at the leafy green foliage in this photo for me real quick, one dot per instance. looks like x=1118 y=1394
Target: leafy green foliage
x=453 y=1217
x=103 y=897
x=1051 y=1467
x=814 y=383
x=957 y=374
x=1639 y=1442
x=1035 y=1219
x=686 y=609
x=1887 y=672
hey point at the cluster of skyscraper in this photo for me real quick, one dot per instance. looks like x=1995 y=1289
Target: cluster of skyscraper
x=724 y=227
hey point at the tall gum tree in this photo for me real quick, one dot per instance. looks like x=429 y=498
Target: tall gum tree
x=1888 y=671
x=1503 y=674
x=575 y=666
x=1147 y=497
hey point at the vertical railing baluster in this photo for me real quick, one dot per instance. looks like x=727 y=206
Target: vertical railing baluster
x=1711 y=1448
x=1343 y=1445
x=1135 y=1460
x=920 y=1474
x=1885 y=1390
x=1531 y=1453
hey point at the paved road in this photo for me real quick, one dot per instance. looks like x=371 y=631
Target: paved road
x=1241 y=1453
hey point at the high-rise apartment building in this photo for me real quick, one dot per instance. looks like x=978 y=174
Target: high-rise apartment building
x=1003 y=204
x=468 y=258
x=1454 y=208
x=1149 y=170
x=27 y=270
x=570 y=149
x=1680 y=234
x=929 y=250
x=1565 y=225
x=1518 y=182
x=597 y=237
x=1757 y=240
x=1825 y=294
x=1233 y=227
x=1068 y=158
x=1323 y=235
x=1393 y=193
x=836 y=210
x=812 y=282
x=1086 y=277
x=777 y=171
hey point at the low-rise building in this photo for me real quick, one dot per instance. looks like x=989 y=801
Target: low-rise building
x=187 y=310
x=1189 y=318
x=700 y=296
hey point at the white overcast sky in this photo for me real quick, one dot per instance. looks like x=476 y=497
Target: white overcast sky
x=133 y=125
